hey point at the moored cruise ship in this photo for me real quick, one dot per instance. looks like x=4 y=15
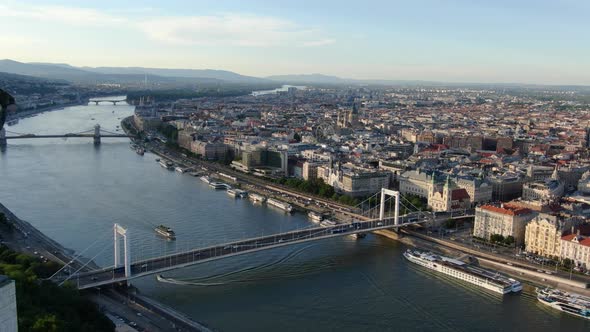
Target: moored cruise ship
x=315 y=217
x=256 y=198
x=573 y=304
x=236 y=193
x=219 y=185
x=327 y=223
x=475 y=275
x=280 y=204
x=166 y=164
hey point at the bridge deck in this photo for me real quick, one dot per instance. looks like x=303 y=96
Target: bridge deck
x=170 y=262
x=64 y=136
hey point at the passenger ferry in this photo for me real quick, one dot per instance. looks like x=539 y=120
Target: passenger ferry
x=256 y=198
x=166 y=164
x=166 y=232
x=205 y=179
x=281 y=205
x=315 y=217
x=573 y=304
x=488 y=279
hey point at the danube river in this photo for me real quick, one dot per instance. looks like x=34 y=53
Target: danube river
x=74 y=193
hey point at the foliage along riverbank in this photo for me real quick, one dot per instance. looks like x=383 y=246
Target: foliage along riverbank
x=43 y=306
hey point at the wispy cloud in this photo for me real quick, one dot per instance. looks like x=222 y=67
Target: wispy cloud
x=65 y=15
x=232 y=29
x=321 y=42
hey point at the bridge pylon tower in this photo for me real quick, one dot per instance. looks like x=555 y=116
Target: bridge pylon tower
x=3 y=137
x=387 y=192
x=97 y=134
x=122 y=232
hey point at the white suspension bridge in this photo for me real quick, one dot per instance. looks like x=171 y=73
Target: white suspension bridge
x=387 y=209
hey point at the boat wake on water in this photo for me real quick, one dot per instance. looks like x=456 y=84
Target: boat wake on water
x=241 y=276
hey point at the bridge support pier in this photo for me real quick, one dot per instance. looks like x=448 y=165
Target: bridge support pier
x=396 y=195
x=3 y=137
x=97 y=134
x=120 y=231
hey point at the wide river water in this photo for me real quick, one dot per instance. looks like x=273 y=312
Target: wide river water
x=74 y=193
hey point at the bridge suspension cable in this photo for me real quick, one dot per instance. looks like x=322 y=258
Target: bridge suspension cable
x=83 y=266
x=77 y=256
x=15 y=133
x=108 y=132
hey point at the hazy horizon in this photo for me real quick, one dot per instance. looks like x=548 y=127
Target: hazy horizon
x=531 y=42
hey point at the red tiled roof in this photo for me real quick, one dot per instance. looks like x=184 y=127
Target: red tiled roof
x=568 y=237
x=506 y=209
x=585 y=242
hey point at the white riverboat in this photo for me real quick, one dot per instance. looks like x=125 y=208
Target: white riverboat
x=237 y=193
x=488 y=279
x=166 y=232
x=327 y=223
x=280 y=204
x=573 y=304
x=315 y=217
x=166 y=164
x=256 y=198
x=219 y=185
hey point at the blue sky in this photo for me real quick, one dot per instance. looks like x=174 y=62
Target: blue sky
x=541 y=41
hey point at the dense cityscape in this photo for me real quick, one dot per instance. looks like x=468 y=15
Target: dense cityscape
x=358 y=167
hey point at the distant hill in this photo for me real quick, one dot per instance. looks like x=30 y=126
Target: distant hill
x=309 y=78
x=45 y=70
x=223 y=75
x=70 y=73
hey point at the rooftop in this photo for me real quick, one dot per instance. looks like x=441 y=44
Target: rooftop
x=4 y=280
x=506 y=209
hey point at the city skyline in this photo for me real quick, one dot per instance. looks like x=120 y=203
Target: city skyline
x=457 y=41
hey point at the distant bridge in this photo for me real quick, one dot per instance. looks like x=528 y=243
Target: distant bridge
x=96 y=133
x=113 y=101
x=124 y=270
